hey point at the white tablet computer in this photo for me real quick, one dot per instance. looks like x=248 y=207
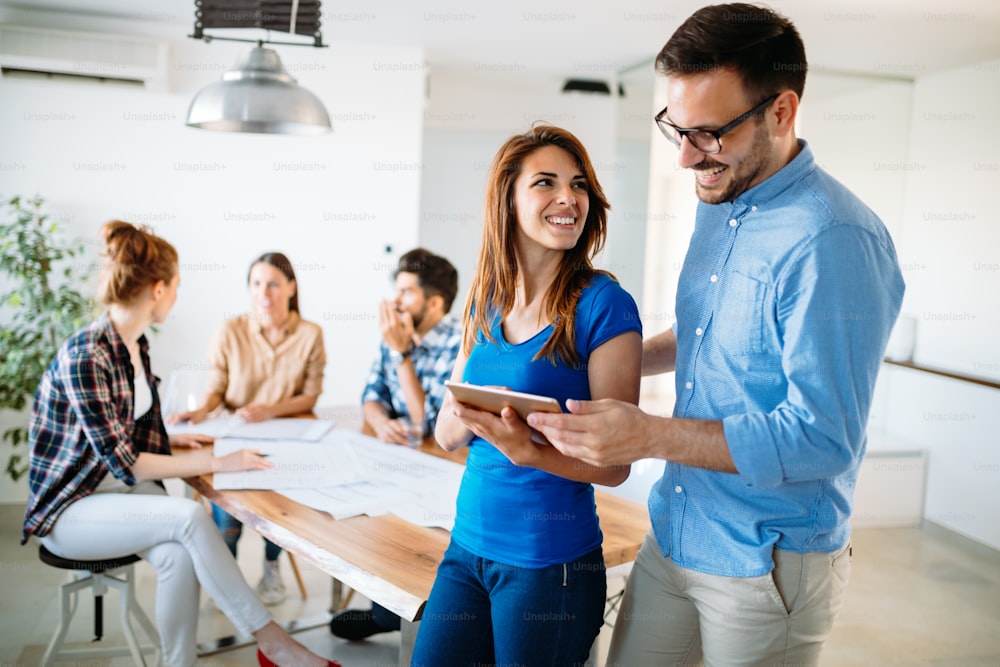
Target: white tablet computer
x=493 y=399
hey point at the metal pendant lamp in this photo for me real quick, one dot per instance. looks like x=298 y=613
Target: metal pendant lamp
x=258 y=95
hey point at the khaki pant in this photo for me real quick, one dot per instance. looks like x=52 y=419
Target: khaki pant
x=671 y=615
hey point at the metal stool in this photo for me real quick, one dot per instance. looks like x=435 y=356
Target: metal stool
x=99 y=575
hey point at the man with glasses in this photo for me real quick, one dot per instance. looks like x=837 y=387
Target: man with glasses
x=785 y=301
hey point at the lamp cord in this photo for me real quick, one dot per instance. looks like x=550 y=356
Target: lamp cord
x=295 y=16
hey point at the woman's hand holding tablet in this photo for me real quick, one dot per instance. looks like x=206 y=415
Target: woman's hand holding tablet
x=493 y=399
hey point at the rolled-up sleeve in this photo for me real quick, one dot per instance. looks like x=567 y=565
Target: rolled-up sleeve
x=836 y=305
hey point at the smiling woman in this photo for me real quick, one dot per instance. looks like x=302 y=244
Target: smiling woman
x=539 y=319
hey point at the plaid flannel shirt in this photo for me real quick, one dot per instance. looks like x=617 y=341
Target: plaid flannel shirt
x=433 y=360
x=82 y=423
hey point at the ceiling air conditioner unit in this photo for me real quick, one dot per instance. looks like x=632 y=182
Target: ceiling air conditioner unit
x=95 y=56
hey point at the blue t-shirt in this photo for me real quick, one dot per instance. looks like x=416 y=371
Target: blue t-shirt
x=520 y=515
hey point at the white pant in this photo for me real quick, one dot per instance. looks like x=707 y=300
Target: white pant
x=179 y=539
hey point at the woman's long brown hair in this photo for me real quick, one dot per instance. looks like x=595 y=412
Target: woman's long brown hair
x=493 y=288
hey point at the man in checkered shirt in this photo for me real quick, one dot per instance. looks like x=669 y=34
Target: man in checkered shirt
x=420 y=342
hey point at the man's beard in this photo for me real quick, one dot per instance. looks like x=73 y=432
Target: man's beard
x=743 y=174
x=418 y=318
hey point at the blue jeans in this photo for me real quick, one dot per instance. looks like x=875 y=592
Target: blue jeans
x=231 y=529
x=484 y=612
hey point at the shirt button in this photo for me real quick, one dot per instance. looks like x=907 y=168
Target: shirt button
x=678 y=489
x=699 y=331
x=733 y=223
x=714 y=278
x=753 y=208
x=688 y=385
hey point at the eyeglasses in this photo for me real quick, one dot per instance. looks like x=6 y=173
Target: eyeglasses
x=705 y=141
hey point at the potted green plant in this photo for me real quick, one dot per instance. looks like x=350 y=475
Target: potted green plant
x=40 y=306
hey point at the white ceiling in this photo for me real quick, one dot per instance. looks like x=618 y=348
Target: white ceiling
x=598 y=38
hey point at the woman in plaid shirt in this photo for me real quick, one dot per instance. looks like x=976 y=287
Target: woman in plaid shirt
x=99 y=451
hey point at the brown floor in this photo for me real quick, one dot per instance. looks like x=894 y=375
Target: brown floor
x=918 y=596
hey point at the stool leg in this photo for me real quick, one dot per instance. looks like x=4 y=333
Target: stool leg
x=99 y=586
x=98 y=617
x=67 y=605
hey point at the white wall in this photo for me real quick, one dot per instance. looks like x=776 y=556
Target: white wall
x=629 y=209
x=957 y=424
x=951 y=241
x=950 y=245
x=671 y=211
x=857 y=127
x=451 y=207
x=334 y=203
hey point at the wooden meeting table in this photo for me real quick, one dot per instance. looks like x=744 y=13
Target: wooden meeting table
x=388 y=559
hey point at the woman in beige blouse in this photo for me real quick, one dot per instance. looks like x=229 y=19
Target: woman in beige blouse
x=264 y=364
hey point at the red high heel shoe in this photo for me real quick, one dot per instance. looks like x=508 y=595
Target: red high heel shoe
x=264 y=661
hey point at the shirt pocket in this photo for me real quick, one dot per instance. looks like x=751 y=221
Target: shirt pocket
x=739 y=317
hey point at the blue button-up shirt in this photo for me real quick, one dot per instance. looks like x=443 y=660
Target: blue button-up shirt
x=784 y=307
x=433 y=360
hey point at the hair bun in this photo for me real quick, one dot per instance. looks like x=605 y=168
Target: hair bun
x=134 y=258
x=124 y=241
x=115 y=228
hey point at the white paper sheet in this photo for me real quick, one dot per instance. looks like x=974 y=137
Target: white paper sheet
x=217 y=427
x=349 y=500
x=297 y=465
x=230 y=426
x=310 y=430
x=434 y=509
x=392 y=479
